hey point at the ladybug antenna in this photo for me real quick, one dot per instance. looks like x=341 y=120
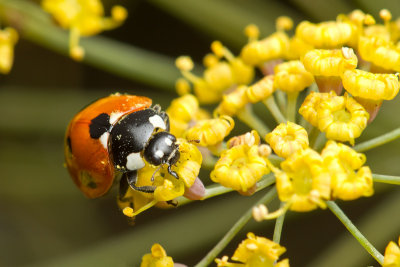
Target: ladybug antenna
x=154 y=173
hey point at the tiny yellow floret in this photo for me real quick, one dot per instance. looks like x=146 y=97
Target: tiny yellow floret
x=392 y=255
x=304 y=182
x=240 y=167
x=292 y=77
x=210 y=132
x=327 y=35
x=256 y=251
x=261 y=90
x=334 y=62
x=369 y=85
x=157 y=258
x=349 y=179
x=341 y=118
x=287 y=138
x=8 y=39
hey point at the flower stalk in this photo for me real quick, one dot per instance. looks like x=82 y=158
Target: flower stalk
x=213 y=253
x=355 y=232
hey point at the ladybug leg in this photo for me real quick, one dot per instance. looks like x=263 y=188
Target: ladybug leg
x=172 y=172
x=131 y=178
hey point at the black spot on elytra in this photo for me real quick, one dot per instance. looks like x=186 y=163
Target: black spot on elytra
x=69 y=144
x=99 y=125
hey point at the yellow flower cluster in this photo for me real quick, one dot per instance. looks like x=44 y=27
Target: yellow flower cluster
x=255 y=251
x=219 y=76
x=243 y=164
x=83 y=18
x=341 y=118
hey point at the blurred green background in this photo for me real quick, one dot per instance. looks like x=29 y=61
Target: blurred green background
x=46 y=221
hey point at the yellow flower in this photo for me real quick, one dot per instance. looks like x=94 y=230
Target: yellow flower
x=242 y=73
x=273 y=47
x=83 y=18
x=287 y=138
x=189 y=163
x=261 y=90
x=341 y=118
x=371 y=89
x=256 y=251
x=233 y=102
x=292 y=77
x=240 y=167
x=371 y=86
x=297 y=48
x=157 y=258
x=309 y=107
x=304 y=182
x=349 y=180
x=181 y=112
x=328 y=34
x=8 y=39
x=212 y=131
x=328 y=65
x=380 y=52
x=392 y=255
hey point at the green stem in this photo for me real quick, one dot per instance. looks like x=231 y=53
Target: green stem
x=378 y=141
x=313 y=135
x=247 y=116
x=319 y=142
x=217 y=189
x=388 y=179
x=279 y=225
x=112 y=56
x=291 y=108
x=355 y=232
x=213 y=253
x=281 y=98
x=273 y=108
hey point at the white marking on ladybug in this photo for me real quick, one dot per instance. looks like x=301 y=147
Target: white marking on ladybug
x=114 y=116
x=134 y=161
x=157 y=122
x=104 y=139
x=168 y=142
x=159 y=154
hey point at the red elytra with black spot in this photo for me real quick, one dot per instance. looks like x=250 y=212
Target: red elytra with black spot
x=87 y=159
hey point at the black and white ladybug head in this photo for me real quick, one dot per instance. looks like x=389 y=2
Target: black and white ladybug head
x=162 y=149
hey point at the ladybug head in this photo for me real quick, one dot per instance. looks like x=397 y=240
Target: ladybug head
x=162 y=149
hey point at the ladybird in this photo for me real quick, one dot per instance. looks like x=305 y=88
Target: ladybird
x=114 y=136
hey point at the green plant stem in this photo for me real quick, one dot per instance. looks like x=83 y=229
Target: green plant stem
x=387 y=179
x=355 y=232
x=281 y=99
x=378 y=141
x=274 y=109
x=216 y=189
x=279 y=225
x=313 y=135
x=124 y=60
x=212 y=254
x=291 y=107
x=319 y=142
x=247 y=116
